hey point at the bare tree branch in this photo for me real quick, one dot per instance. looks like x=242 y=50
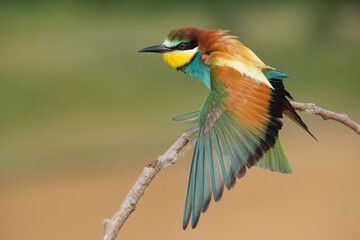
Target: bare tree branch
x=113 y=225
x=325 y=114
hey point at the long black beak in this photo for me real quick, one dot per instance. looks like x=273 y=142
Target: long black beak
x=156 y=49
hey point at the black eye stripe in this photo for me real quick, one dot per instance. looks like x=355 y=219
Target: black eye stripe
x=188 y=45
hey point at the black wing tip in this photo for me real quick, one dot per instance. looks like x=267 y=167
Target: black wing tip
x=185 y=222
x=206 y=205
x=288 y=94
x=305 y=127
x=292 y=114
x=242 y=172
x=307 y=130
x=195 y=221
x=230 y=183
x=218 y=195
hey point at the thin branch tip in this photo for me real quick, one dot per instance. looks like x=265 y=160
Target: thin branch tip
x=326 y=114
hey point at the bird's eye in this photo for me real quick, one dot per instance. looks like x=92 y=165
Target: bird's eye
x=181 y=46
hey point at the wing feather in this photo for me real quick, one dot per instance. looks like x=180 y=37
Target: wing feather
x=238 y=128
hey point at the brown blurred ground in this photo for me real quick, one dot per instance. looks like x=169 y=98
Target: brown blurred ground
x=320 y=200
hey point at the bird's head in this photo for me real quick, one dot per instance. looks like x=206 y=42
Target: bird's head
x=179 y=47
x=216 y=47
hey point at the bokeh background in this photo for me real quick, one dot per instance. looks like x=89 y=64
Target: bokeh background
x=81 y=113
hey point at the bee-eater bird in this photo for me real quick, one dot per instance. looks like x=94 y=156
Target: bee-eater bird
x=238 y=124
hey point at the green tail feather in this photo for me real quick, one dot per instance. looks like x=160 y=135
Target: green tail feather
x=189 y=118
x=186 y=117
x=275 y=159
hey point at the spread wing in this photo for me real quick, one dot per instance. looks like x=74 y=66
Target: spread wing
x=238 y=123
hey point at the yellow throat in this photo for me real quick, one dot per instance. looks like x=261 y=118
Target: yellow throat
x=178 y=59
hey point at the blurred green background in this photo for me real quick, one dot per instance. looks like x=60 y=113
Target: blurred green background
x=76 y=97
